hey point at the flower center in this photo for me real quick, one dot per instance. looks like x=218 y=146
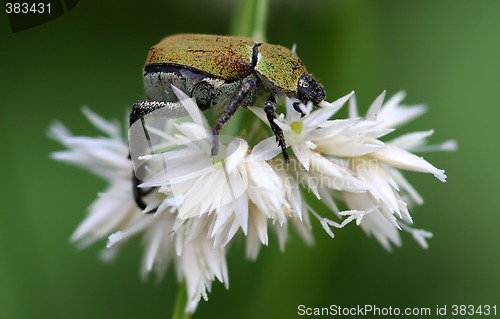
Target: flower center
x=218 y=163
x=297 y=127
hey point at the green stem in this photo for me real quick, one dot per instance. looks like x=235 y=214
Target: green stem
x=180 y=303
x=260 y=20
x=242 y=19
x=250 y=19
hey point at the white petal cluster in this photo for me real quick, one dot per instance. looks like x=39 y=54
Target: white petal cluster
x=200 y=202
x=346 y=160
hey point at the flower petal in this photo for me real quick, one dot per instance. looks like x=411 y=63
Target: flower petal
x=264 y=150
x=374 y=109
x=405 y=160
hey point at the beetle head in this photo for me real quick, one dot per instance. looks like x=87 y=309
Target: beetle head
x=309 y=90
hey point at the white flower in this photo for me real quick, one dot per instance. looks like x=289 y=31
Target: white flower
x=389 y=195
x=345 y=159
x=198 y=203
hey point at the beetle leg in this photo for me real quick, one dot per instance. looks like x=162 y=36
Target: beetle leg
x=141 y=109
x=296 y=107
x=139 y=194
x=247 y=86
x=270 y=109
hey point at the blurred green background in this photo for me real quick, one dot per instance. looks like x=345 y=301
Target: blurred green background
x=444 y=53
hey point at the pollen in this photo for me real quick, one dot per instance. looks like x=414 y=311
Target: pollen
x=218 y=163
x=297 y=127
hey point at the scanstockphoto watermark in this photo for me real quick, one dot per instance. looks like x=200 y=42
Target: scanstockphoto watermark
x=365 y=310
x=315 y=178
x=483 y=310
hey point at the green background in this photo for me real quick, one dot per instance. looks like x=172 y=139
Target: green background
x=443 y=53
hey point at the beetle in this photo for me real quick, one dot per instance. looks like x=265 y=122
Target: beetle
x=223 y=72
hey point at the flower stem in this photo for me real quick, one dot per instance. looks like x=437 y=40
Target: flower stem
x=250 y=19
x=260 y=21
x=180 y=303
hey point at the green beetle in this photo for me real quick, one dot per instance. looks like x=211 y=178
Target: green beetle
x=223 y=72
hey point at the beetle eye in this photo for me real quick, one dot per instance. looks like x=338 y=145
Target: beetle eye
x=304 y=84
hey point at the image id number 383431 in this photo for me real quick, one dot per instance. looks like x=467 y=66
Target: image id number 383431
x=24 y=7
x=471 y=310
